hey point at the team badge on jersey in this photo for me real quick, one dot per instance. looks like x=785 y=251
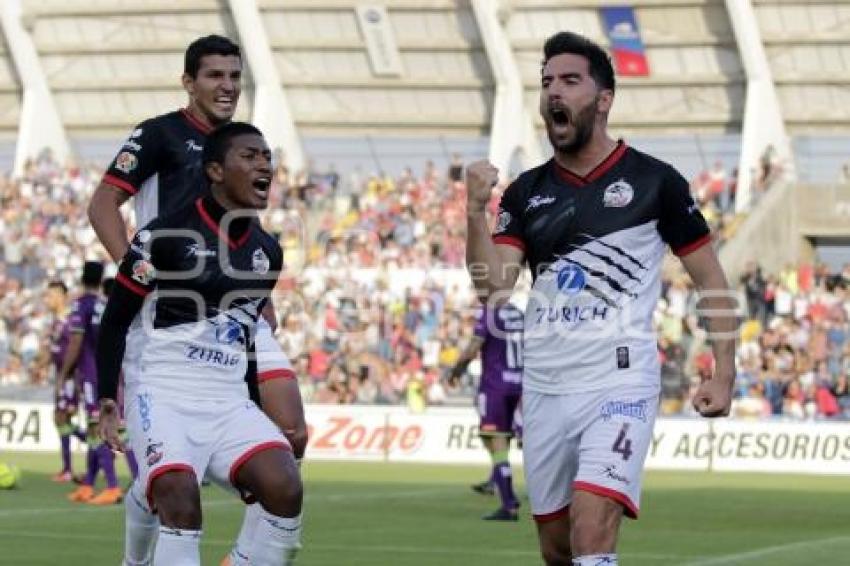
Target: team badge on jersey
x=260 y=262
x=126 y=162
x=618 y=194
x=143 y=271
x=502 y=223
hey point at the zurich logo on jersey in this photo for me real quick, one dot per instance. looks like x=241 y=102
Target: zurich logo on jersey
x=571 y=279
x=229 y=332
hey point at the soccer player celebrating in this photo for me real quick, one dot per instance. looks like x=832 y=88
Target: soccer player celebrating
x=160 y=167
x=593 y=224
x=83 y=325
x=188 y=409
x=66 y=399
x=498 y=337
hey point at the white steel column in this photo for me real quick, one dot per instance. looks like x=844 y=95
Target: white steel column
x=512 y=125
x=762 y=123
x=40 y=125
x=272 y=113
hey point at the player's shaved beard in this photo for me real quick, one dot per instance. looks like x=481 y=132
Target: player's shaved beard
x=582 y=122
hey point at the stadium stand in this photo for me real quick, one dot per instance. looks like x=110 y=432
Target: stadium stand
x=377 y=301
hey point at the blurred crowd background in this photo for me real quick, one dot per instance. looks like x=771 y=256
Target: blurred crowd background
x=375 y=305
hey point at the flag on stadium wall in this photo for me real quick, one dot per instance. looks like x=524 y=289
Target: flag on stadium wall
x=626 y=44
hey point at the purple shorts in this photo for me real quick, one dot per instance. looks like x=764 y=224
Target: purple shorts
x=68 y=400
x=497 y=410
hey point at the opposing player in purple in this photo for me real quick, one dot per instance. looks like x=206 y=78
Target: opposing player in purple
x=66 y=398
x=83 y=325
x=498 y=338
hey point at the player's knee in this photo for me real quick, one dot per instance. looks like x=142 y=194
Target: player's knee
x=177 y=500
x=283 y=495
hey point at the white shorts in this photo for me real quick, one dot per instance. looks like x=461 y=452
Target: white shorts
x=595 y=441
x=212 y=438
x=272 y=363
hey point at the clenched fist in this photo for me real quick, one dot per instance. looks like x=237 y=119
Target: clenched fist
x=713 y=398
x=481 y=177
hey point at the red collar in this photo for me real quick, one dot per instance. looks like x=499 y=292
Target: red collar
x=616 y=154
x=214 y=226
x=195 y=123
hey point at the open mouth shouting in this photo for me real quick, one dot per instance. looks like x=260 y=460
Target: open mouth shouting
x=262 y=186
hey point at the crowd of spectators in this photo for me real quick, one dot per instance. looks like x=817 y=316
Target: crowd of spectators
x=375 y=305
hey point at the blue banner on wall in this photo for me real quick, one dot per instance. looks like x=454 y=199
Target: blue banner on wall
x=626 y=45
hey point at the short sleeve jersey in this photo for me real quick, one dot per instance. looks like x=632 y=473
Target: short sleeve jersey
x=595 y=245
x=160 y=164
x=210 y=290
x=501 y=352
x=85 y=319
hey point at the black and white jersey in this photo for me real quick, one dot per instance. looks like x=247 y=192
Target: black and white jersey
x=210 y=287
x=595 y=245
x=160 y=164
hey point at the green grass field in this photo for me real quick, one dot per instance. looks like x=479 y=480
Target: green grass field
x=413 y=515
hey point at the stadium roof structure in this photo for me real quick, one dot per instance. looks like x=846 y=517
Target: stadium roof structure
x=453 y=69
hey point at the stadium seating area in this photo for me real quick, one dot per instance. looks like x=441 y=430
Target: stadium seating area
x=375 y=302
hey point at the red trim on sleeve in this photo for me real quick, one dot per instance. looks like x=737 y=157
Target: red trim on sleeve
x=156 y=472
x=630 y=509
x=693 y=246
x=240 y=461
x=195 y=123
x=553 y=516
x=120 y=183
x=279 y=373
x=127 y=282
x=511 y=241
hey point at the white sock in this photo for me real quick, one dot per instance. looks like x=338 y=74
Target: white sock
x=276 y=540
x=596 y=560
x=178 y=547
x=239 y=553
x=140 y=528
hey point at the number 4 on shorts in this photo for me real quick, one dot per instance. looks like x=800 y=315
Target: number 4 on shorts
x=623 y=445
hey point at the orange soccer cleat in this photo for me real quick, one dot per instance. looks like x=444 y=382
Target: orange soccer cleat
x=226 y=561
x=62 y=477
x=81 y=494
x=109 y=496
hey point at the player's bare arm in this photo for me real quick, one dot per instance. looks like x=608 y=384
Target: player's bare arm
x=714 y=396
x=494 y=268
x=75 y=346
x=104 y=213
x=287 y=411
x=469 y=354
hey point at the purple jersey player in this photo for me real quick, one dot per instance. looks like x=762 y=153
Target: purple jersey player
x=65 y=395
x=498 y=337
x=83 y=324
x=85 y=319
